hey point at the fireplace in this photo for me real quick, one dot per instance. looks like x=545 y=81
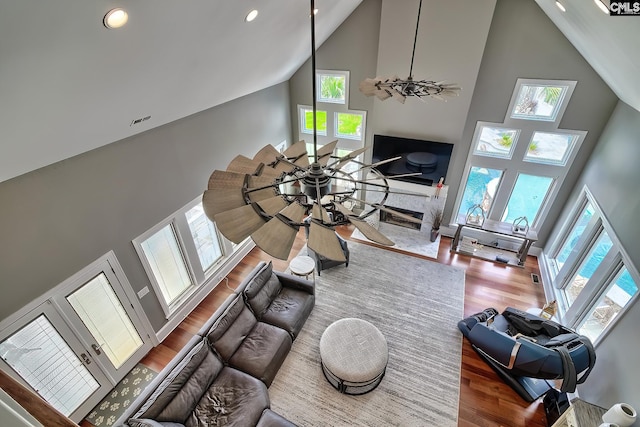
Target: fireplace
x=391 y=218
x=430 y=158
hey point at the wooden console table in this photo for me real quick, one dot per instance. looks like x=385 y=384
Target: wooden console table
x=496 y=228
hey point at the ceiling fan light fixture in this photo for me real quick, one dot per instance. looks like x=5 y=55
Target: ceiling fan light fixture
x=603 y=7
x=253 y=14
x=270 y=196
x=399 y=89
x=115 y=18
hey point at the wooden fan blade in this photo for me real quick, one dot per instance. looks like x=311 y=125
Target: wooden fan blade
x=295 y=212
x=275 y=238
x=346 y=159
x=266 y=185
x=344 y=210
x=324 y=241
x=267 y=154
x=324 y=152
x=386 y=209
x=298 y=154
x=370 y=232
x=237 y=224
x=272 y=205
x=320 y=213
x=225 y=180
x=217 y=201
x=244 y=165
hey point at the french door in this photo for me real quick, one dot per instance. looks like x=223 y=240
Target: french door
x=76 y=345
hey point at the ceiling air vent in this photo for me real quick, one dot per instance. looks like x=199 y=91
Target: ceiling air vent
x=136 y=121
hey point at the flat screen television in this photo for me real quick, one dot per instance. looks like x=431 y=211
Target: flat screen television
x=430 y=158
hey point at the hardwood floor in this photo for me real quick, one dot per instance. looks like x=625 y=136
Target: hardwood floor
x=485 y=400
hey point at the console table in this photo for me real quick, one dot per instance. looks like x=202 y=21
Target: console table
x=580 y=414
x=496 y=228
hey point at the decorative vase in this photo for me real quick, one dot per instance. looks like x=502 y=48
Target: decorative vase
x=434 y=234
x=621 y=414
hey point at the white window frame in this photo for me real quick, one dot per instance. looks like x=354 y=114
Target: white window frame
x=338 y=135
x=302 y=110
x=332 y=73
x=517 y=164
x=611 y=265
x=569 y=86
x=198 y=276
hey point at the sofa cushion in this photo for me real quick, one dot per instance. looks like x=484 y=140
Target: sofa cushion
x=182 y=389
x=231 y=328
x=290 y=310
x=233 y=399
x=262 y=289
x=262 y=352
x=271 y=419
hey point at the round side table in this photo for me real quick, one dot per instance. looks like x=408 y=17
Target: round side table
x=303 y=266
x=354 y=355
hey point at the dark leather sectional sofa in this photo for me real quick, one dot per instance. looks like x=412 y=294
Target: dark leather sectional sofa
x=220 y=377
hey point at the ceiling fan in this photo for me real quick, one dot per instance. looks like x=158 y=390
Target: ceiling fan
x=270 y=196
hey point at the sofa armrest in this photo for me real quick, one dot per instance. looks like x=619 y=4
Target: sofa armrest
x=295 y=282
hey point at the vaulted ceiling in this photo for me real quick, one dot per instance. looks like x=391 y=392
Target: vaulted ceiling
x=69 y=85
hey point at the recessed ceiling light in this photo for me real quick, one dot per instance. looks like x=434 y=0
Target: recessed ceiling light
x=603 y=7
x=560 y=6
x=115 y=18
x=251 y=16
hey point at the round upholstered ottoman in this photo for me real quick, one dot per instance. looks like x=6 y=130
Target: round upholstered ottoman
x=354 y=355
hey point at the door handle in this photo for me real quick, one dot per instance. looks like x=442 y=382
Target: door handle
x=96 y=348
x=86 y=359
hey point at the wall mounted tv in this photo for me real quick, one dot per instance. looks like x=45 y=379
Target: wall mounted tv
x=430 y=158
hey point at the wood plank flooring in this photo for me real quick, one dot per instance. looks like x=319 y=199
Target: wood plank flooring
x=485 y=400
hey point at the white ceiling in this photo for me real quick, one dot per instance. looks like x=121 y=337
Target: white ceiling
x=69 y=85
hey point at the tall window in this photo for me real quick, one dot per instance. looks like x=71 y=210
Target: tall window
x=334 y=119
x=593 y=278
x=163 y=254
x=180 y=254
x=516 y=168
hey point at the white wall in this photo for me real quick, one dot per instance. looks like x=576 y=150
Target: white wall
x=451 y=40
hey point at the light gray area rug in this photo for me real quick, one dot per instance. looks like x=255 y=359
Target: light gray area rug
x=416 y=304
x=406 y=239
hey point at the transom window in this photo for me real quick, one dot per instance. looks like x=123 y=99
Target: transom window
x=536 y=101
x=332 y=86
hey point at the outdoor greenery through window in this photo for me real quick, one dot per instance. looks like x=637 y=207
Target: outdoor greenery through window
x=334 y=119
x=307 y=120
x=332 y=86
x=348 y=125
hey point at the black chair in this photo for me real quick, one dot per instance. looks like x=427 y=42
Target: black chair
x=322 y=263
